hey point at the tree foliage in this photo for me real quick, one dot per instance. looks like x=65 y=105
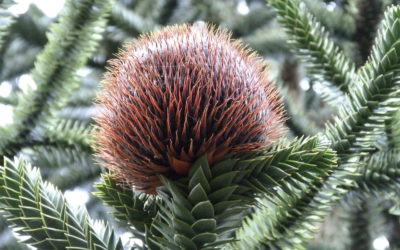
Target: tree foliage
x=340 y=155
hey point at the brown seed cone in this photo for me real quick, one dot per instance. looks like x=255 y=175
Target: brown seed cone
x=177 y=94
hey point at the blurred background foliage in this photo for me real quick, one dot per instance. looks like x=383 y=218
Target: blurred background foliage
x=59 y=142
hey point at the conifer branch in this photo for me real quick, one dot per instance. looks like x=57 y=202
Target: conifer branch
x=79 y=28
x=272 y=198
x=325 y=61
x=68 y=134
x=373 y=100
x=38 y=210
x=289 y=220
x=371 y=103
x=224 y=192
x=286 y=219
x=392 y=129
x=301 y=162
x=382 y=171
x=133 y=209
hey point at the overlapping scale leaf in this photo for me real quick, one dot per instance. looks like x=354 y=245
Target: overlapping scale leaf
x=38 y=210
x=289 y=220
x=301 y=162
x=203 y=210
x=286 y=217
x=134 y=209
x=381 y=172
x=200 y=211
x=392 y=129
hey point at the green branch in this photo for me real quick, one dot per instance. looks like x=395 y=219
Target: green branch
x=71 y=41
x=372 y=102
x=286 y=217
x=324 y=59
x=69 y=134
x=392 y=129
x=381 y=172
x=373 y=99
x=133 y=209
x=204 y=209
x=38 y=210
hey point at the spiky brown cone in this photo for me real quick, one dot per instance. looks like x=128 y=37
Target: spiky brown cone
x=177 y=94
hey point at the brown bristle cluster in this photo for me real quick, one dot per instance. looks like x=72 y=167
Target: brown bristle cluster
x=177 y=94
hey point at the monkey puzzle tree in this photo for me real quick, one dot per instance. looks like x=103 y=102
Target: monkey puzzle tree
x=191 y=129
